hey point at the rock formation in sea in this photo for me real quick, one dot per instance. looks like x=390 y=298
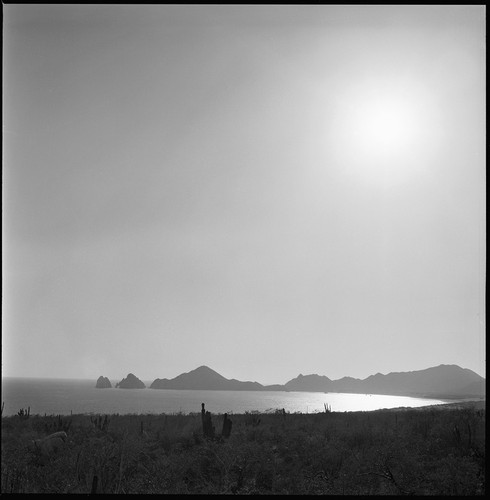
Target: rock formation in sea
x=131 y=382
x=103 y=383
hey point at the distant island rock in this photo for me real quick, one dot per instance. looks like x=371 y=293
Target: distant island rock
x=131 y=382
x=103 y=383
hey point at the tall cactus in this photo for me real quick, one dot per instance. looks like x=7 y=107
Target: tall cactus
x=207 y=425
x=227 y=423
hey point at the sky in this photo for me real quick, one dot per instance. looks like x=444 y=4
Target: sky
x=265 y=190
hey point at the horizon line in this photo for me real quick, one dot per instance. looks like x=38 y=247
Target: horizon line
x=265 y=385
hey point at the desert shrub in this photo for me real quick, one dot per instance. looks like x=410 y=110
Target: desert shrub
x=358 y=453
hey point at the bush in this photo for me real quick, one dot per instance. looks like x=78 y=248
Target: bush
x=360 y=453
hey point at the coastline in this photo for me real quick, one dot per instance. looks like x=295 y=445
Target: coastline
x=473 y=404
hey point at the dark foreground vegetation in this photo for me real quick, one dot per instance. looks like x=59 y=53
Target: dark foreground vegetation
x=429 y=451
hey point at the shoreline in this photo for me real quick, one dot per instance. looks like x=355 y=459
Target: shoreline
x=474 y=404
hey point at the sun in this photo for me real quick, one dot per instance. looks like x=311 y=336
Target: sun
x=384 y=123
x=380 y=131
x=383 y=127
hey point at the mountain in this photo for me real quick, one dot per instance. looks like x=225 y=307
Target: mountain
x=203 y=378
x=131 y=382
x=439 y=382
x=274 y=387
x=477 y=387
x=309 y=383
x=443 y=381
x=347 y=384
x=103 y=383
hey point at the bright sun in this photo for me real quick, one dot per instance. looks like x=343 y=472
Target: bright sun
x=381 y=131
x=383 y=126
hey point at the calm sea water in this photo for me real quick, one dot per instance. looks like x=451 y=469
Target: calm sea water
x=63 y=396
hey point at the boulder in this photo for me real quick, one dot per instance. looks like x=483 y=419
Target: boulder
x=50 y=444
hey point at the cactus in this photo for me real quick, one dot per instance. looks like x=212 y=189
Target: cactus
x=207 y=425
x=457 y=434
x=100 y=423
x=252 y=419
x=22 y=413
x=227 y=423
x=58 y=424
x=93 y=490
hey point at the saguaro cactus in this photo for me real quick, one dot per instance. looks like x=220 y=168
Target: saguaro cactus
x=100 y=423
x=227 y=423
x=22 y=413
x=207 y=425
x=93 y=490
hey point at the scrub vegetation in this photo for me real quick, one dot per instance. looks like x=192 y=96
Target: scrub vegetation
x=430 y=451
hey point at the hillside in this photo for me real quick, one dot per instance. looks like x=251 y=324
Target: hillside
x=442 y=381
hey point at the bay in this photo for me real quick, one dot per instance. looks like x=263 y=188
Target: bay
x=65 y=396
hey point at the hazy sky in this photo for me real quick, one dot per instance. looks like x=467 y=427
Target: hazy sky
x=266 y=190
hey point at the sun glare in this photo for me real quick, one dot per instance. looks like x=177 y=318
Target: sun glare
x=381 y=133
x=383 y=126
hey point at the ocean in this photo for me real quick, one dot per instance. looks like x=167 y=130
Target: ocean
x=66 y=396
